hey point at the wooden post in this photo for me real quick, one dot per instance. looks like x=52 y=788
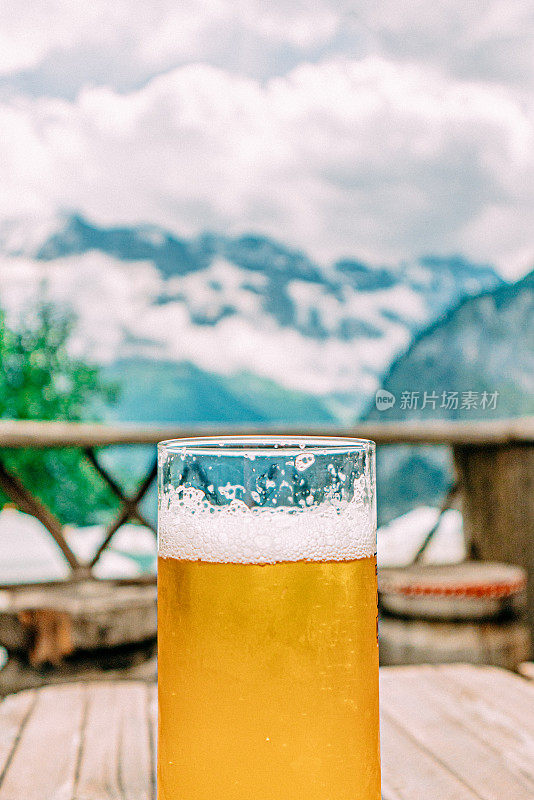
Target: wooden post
x=497 y=488
x=29 y=504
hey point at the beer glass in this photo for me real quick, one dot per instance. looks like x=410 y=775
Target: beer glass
x=267 y=620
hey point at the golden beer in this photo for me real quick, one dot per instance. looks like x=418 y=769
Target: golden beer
x=268 y=680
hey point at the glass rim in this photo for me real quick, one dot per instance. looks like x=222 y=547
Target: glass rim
x=265 y=444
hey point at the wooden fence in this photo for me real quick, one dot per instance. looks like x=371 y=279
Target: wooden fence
x=494 y=462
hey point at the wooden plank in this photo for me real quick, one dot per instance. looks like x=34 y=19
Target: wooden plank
x=448 y=733
x=410 y=772
x=99 y=767
x=135 y=760
x=38 y=434
x=44 y=762
x=466 y=705
x=14 y=713
x=510 y=694
x=456 y=747
x=116 y=759
x=152 y=712
x=490 y=715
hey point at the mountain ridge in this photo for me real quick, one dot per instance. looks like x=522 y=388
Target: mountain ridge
x=75 y=235
x=500 y=297
x=236 y=304
x=483 y=347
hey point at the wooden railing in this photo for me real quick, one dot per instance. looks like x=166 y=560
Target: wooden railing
x=19 y=434
x=494 y=462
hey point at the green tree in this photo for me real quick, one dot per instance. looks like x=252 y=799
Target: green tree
x=41 y=379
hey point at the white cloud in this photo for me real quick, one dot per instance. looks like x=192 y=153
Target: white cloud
x=487 y=40
x=157 y=34
x=114 y=302
x=364 y=157
x=108 y=297
x=32 y=30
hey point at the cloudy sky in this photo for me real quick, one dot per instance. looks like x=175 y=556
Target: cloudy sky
x=377 y=130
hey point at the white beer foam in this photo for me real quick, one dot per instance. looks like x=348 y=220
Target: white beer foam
x=191 y=529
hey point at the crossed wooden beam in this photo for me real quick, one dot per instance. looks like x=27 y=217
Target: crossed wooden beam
x=129 y=505
x=28 y=503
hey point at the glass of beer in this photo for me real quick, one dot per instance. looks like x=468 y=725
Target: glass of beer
x=267 y=619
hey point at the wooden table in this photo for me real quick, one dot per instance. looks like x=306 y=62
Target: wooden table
x=448 y=733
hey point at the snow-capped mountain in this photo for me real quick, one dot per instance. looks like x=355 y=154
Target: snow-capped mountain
x=478 y=363
x=231 y=304
x=485 y=345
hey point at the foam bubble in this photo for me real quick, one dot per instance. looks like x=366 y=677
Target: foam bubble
x=303 y=461
x=192 y=529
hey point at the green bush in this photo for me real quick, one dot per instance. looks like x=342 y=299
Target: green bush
x=41 y=379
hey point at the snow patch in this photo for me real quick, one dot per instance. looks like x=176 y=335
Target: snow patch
x=399 y=541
